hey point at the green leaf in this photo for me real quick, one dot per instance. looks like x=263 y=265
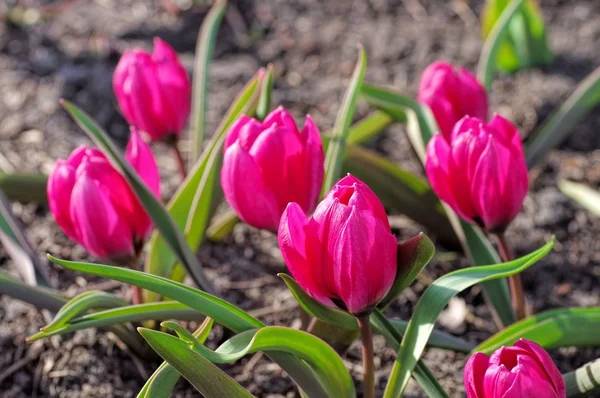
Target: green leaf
x=209 y=380
x=582 y=194
x=24 y=187
x=161 y=218
x=40 y=297
x=81 y=304
x=222 y=226
x=413 y=255
x=321 y=358
x=337 y=143
x=368 y=127
x=122 y=315
x=165 y=377
x=221 y=311
x=434 y=300
x=205 y=45
x=333 y=316
x=26 y=261
x=491 y=48
x=191 y=205
x=421 y=128
x=562 y=121
x=583 y=381
x=266 y=92
x=551 y=329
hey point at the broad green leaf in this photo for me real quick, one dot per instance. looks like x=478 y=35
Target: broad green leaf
x=526 y=44
x=333 y=316
x=208 y=379
x=266 y=92
x=584 y=380
x=493 y=44
x=165 y=377
x=413 y=255
x=422 y=374
x=563 y=120
x=222 y=226
x=368 y=127
x=205 y=45
x=432 y=303
x=24 y=187
x=81 y=304
x=341 y=128
x=321 y=358
x=551 y=329
x=221 y=311
x=582 y=194
x=160 y=217
x=421 y=127
x=190 y=206
x=122 y=315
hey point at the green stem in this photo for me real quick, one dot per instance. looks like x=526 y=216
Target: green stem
x=366 y=336
x=514 y=281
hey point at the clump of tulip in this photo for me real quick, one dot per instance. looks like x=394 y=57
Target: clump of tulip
x=153 y=91
x=452 y=94
x=480 y=171
x=95 y=206
x=268 y=164
x=523 y=370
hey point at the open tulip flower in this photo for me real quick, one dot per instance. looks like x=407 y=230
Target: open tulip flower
x=270 y=164
x=480 y=171
x=153 y=91
x=524 y=370
x=344 y=256
x=93 y=204
x=452 y=94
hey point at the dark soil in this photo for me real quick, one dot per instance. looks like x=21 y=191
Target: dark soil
x=312 y=45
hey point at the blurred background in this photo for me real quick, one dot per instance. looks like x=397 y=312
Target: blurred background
x=69 y=49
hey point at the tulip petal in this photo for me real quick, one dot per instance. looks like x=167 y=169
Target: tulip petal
x=234 y=131
x=139 y=155
x=546 y=363
x=474 y=374
x=473 y=97
x=293 y=243
x=282 y=118
x=100 y=229
x=314 y=159
x=497 y=380
x=59 y=188
x=240 y=176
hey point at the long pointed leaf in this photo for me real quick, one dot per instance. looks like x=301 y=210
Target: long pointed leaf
x=24 y=187
x=434 y=300
x=582 y=194
x=584 y=380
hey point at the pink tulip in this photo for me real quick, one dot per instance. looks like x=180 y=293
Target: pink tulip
x=452 y=94
x=481 y=172
x=345 y=255
x=269 y=164
x=93 y=204
x=153 y=91
x=524 y=370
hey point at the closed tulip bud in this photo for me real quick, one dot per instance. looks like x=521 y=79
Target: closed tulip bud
x=153 y=91
x=523 y=370
x=344 y=256
x=452 y=94
x=481 y=172
x=269 y=164
x=93 y=204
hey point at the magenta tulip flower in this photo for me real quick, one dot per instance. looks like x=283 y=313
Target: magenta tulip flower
x=524 y=370
x=153 y=91
x=344 y=256
x=93 y=204
x=481 y=172
x=269 y=164
x=452 y=94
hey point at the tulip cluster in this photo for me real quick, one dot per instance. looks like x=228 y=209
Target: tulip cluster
x=523 y=370
x=95 y=206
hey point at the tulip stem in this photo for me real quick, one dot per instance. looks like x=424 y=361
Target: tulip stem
x=137 y=293
x=514 y=281
x=179 y=159
x=366 y=336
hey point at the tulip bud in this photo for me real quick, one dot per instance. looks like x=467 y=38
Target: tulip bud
x=452 y=94
x=93 y=204
x=481 y=172
x=344 y=256
x=523 y=370
x=153 y=91
x=269 y=164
